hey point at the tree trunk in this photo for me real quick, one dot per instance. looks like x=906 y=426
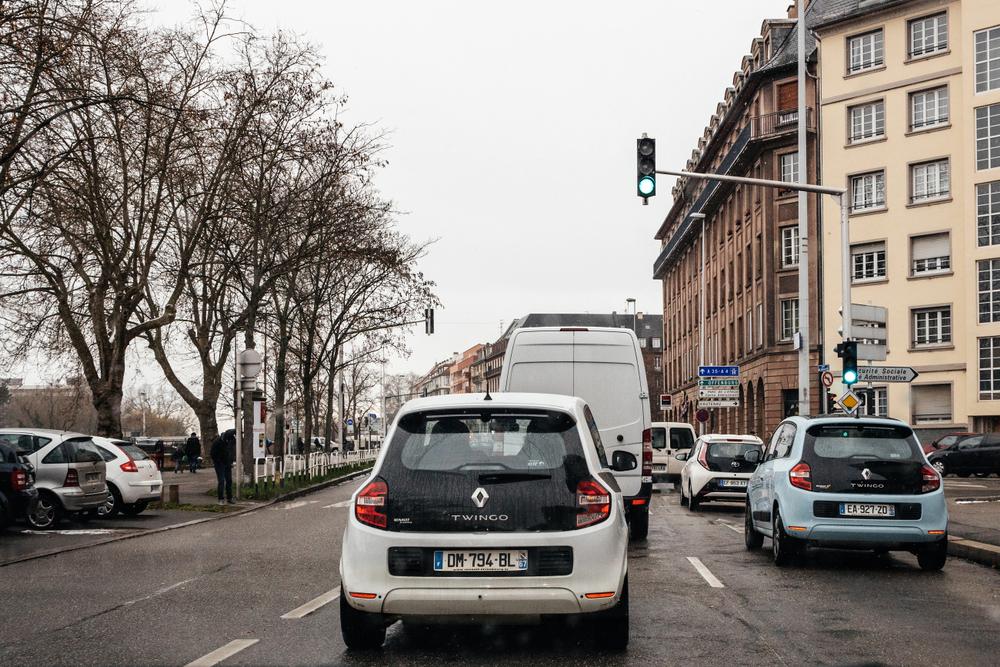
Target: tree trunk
x=208 y=426
x=280 y=380
x=331 y=381
x=108 y=403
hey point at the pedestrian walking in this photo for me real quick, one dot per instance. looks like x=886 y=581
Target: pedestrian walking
x=177 y=456
x=192 y=449
x=158 y=454
x=300 y=446
x=223 y=455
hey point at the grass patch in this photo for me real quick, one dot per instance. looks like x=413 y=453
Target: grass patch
x=270 y=490
x=188 y=507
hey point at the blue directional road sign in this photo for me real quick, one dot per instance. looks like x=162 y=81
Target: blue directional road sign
x=718 y=371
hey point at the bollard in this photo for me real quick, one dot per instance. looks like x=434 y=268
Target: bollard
x=173 y=492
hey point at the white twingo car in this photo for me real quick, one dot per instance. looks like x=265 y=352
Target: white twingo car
x=716 y=468
x=488 y=508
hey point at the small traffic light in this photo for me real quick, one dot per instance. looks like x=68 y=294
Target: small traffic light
x=645 y=157
x=848 y=352
x=428 y=321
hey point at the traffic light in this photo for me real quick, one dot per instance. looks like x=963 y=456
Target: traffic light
x=645 y=157
x=428 y=321
x=848 y=352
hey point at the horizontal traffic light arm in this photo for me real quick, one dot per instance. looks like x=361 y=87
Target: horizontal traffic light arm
x=807 y=187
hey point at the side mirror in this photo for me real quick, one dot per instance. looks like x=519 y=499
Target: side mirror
x=622 y=461
x=683 y=456
x=753 y=456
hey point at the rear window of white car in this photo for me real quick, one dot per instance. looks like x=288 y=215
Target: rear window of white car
x=135 y=452
x=491 y=440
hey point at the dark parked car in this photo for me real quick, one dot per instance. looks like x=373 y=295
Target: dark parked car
x=977 y=454
x=946 y=441
x=18 y=496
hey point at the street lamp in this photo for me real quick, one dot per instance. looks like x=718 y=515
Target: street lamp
x=142 y=401
x=248 y=366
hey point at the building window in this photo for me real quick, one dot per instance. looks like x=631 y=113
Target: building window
x=876 y=402
x=928 y=35
x=987 y=59
x=867 y=121
x=931 y=326
x=760 y=324
x=864 y=52
x=868 y=262
x=657 y=343
x=931 y=403
x=929 y=181
x=989 y=368
x=988 y=213
x=789 y=247
x=989 y=290
x=642 y=343
x=929 y=108
x=657 y=364
x=988 y=137
x=789 y=164
x=750 y=344
x=789 y=318
x=930 y=254
x=868 y=191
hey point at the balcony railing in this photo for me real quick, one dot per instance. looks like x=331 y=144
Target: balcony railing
x=781 y=122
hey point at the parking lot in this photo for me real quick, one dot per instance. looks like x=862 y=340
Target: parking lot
x=697 y=597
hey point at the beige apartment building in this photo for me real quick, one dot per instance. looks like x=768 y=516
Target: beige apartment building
x=910 y=124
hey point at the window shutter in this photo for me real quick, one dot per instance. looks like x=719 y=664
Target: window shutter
x=932 y=245
x=868 y=247
x=788 y=96
x=932 y=402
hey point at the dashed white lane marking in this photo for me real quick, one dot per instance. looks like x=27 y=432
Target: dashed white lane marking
x=313 y=605
x=82 y=531
x=966 y=485
x=161 y=591
x=295 y=505
x=705 y=573
x=223 y=652
x=735 y=529
x=343 y=503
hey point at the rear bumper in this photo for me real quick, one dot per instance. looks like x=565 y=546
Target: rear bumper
x=134 y=492
x=77 y=501
x=485 y=602
x=21 y=503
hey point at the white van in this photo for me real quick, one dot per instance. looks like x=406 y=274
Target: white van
x=670 y=438
x=604 y=367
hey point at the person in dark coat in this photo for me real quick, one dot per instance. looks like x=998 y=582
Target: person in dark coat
x=177 y=456
x=300 y=446
x=223 y=455
x=192 y=449
x=158 y=452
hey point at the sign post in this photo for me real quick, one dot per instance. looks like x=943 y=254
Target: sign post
x=718 y=387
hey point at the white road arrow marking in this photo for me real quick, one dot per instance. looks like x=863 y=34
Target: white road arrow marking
x=705 y=573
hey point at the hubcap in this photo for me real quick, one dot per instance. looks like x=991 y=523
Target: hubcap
x=939 y=466
x=45 y=513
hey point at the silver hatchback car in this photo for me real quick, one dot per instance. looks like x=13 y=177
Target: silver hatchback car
x=69 y=473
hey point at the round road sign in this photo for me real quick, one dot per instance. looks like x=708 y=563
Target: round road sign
x=827 y=379
x=702 y=415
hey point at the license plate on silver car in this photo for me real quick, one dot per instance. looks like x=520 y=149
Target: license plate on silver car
x=497 y=560
x=867 y=509
x=93 y=476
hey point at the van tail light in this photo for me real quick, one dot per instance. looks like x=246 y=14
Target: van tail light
x=931 y=479
x=129 y=466
x=593 y=503
x=72 y=478
x=801 y=476
x=647 y=454
x=703 y=457
x=369 y=508
x=19 y=480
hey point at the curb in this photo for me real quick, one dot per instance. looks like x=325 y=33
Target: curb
x=217 y=517
x=977 y=552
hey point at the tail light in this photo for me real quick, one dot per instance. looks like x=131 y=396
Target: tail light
x=19 y=480
x=72 y=478
x=129 y=466
x=647 y=455
x=593 y=503
x=703 y=457
x=801 y=476
x=931 y=479
x=369 y=508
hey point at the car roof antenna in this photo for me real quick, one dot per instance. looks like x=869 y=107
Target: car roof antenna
x=487 y=397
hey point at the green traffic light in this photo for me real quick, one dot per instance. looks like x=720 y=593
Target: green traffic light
x=850 y=376
x=647 y=185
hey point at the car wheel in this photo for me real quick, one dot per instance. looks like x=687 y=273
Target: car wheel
x=684 y=500
x=933 y=557
x=941 y=467
x=611 y=627
x=133 y=509
x=692 y=501
x=112 y=505
x=47 y=513
x=783 y=547
x=753 y=539
x=361 y=630
x=639 y=526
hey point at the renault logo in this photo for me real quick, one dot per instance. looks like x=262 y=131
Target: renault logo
x=479 y=497
x=866 y=474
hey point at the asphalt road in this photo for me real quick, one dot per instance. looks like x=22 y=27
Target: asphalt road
x=175 y=597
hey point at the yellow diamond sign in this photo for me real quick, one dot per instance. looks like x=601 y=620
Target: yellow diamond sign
x=849 y=401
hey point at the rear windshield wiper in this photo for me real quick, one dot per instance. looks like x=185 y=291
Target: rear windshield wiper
x=505 y=477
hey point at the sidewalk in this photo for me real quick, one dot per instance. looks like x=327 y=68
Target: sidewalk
x=974 y=518
x=193 y=488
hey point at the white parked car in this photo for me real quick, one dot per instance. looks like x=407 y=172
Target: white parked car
x=132 y=477
x=670 y=439
x=604 y=367
x=484 y=507
x=717 y=469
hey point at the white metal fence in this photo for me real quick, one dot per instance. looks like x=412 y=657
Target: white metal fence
x=267 y=469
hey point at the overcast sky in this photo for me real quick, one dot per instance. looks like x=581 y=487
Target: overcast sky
x=512 y=130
